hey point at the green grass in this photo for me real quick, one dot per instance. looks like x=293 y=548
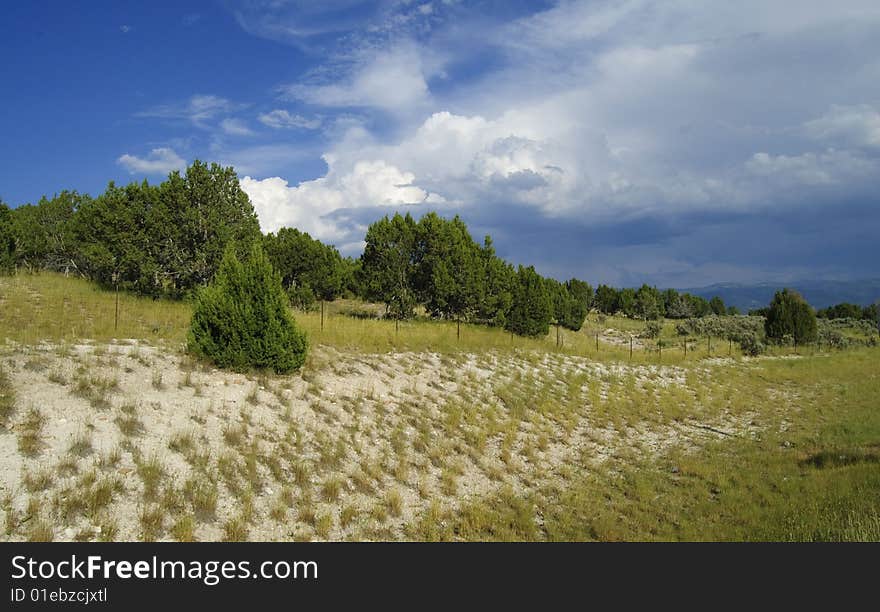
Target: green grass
x=817 y=478
x=48 y=306
x=73 y=309
x=7 y=397
x=51 y=307
x=802 y=461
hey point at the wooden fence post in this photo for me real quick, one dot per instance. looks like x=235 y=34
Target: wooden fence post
x=116 y=316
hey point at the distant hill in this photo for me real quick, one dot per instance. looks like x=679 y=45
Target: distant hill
x=819 y=293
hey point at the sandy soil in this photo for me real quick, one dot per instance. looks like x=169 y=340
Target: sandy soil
x=355 y=447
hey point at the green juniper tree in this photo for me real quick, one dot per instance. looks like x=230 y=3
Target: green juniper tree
x=531 y=311
x=388 y=264
x=716 y=305
x=310 y=270
x=607 y=299
x=7 y=239
x=498 y=281
x=196 y=216
x=648 y=303
x=580 y=296
x=789 y=314
x=448 y=268
x=242 y=321
x=114 y=246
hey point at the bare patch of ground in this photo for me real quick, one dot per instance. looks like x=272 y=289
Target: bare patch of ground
x=128 y=441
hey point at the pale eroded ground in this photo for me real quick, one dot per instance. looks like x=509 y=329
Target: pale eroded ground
x=126 y=441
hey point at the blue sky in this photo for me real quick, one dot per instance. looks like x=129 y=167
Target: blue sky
x=676 y=142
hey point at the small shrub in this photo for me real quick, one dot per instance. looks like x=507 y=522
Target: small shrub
x=751 y=345
x=790 y=315
x=652 y=330
x=833 y=338
x=242 y=320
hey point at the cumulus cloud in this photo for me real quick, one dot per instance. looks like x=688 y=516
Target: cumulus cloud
x=310 y=205
x=160 y=161
x=281 y=119
x=612 y=114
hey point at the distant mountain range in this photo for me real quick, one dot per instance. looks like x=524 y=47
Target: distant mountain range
x=819 y=293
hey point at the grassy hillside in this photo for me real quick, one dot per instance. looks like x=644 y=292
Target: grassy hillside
x=412 y=434
x=48 y=307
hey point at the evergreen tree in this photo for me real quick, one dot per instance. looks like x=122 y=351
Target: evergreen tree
x=388 y=264
x=531 y=311
x=499 y=278
x=606 y=299
x=7 y=239
x=559 y=300
x=699 y=306
x=790 y=315
x=648 y=303
x=841 y=311
x=307 y=266
x=44 y=232
x=196 y=216
x=448 y=269
x=580 y=296
x=114 y=246
x=242 y=321
x=626 y=302
x=716 y=305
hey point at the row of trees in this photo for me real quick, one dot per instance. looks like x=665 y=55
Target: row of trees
x=310 y=270
x=165 y=239
x=650 y=303
x=168 y=240
x=435 y=263
x=845 y=310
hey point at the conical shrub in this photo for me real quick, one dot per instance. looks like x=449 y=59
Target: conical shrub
x=241 y=321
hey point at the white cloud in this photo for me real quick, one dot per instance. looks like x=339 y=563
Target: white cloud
x=857 y=125
x=600 y=112
x=308 y=206
x=829 y=167
x=160 y=161
x=307 y=24
x=282 y=119
x=235 y=127
x=392 y=79
x=198 y=109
